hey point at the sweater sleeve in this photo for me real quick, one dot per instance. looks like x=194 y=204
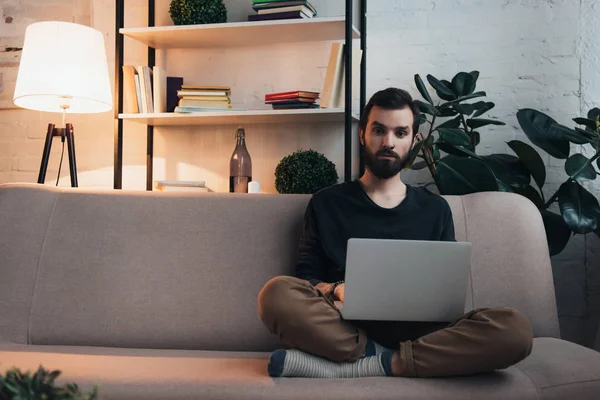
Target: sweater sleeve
x=448 y=230
x=311 y=257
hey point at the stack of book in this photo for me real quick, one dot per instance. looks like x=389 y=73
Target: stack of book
x=198 y=98
x=295 y=99
x=281 y=9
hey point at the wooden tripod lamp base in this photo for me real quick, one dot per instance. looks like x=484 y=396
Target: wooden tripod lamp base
x=64 y=133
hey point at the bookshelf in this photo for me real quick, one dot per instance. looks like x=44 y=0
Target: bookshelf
x=240 y=117
x=237 y=34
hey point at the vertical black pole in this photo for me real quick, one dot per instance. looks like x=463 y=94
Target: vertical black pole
x=46 y=154
x=71 y=149
x=150 y=128
x=348 y=94
x=363 y=72
x=118 y=108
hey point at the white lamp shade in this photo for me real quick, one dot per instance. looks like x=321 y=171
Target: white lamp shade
x=63 y=60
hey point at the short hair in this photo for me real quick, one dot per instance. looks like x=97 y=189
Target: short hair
x=392 y=99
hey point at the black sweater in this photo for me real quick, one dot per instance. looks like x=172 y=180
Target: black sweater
x=344 y=211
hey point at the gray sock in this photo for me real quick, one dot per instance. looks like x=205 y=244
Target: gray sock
x=374 y=349
x=299 y=364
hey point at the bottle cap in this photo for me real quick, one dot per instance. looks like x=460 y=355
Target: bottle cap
x=253 y=187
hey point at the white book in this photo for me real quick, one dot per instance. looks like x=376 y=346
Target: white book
x=160 y=90
x=181 y=183
x=142 y=80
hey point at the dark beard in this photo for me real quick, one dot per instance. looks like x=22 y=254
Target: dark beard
x=382 y=168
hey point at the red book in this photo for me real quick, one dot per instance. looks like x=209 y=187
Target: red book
x=292 y=95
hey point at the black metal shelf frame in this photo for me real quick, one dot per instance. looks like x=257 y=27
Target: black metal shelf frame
x=118 y=109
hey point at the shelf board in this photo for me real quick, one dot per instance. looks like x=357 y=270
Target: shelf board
x=241 y=33
x=240 y=117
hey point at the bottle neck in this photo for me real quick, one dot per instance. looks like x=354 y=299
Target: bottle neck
x=241 y=141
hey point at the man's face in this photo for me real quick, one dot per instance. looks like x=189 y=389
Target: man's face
x=387 y=141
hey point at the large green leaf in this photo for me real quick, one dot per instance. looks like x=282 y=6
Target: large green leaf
x=475 y=75
x=414 y=152
x=532 y=194
x=598 y=163
x=466 y=109
x=482 y=107
x=509 y=169
x=422 y=119
x=463 y=84
x=457 y=137
x=458 y=176
x=459 y=151
x=425 y=108
x=461 y=99
x=575 y=163
x=557 y=232
x=476 y=137
x=477 y=122
x=577 y=135
x=440 y=87
x=447 y=112
x=594 y=113
x=531 y=159
x=422 y=89
x=589 y=123
x=579 y=208
x=538 y=128
x=451 y=123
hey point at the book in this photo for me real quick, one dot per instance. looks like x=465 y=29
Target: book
x=201 y=93
x=296 y=93
x=296 y=99
x=174 y=84
x=181 y=186
x=303 y=9
x=223 y=99
x=206 y=87
x=333 y=76
x=138 y=92
x=334 y=87
x=203 y=104
x=160 y=90
x=130 y=99
x=187 y=110
x=279 y=15
x=281 y=4
x=181 y=183
x=294 y=105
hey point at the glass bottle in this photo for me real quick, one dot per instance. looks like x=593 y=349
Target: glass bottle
x=240 y=166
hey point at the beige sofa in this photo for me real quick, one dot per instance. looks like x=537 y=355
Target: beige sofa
x=153 y=295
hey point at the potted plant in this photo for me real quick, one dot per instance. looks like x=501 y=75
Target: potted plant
x=16 y=384
x=304 y=172
x=192 y=12
x=464 y=171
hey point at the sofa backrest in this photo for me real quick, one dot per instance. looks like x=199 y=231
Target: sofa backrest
x=181 y=270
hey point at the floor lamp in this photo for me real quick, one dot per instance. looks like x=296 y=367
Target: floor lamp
x=63 y=68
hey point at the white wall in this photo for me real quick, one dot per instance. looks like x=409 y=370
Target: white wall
x=542 y=54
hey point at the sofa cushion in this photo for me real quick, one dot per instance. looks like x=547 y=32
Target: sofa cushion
x=563 y=370
x=191 y=374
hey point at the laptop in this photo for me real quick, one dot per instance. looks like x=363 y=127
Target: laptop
x=405 y=280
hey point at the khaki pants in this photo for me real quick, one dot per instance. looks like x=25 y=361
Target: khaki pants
x=480 y=341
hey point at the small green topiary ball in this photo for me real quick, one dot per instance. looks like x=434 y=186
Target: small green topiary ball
x=304 y=172
x=193 y=12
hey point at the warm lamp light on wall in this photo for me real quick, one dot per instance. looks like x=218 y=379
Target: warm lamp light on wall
x=63 y=69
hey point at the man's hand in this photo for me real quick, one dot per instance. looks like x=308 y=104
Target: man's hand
x=325 y=288
x=338 y=293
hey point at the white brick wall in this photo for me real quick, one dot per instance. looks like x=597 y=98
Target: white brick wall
x=543 y=54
